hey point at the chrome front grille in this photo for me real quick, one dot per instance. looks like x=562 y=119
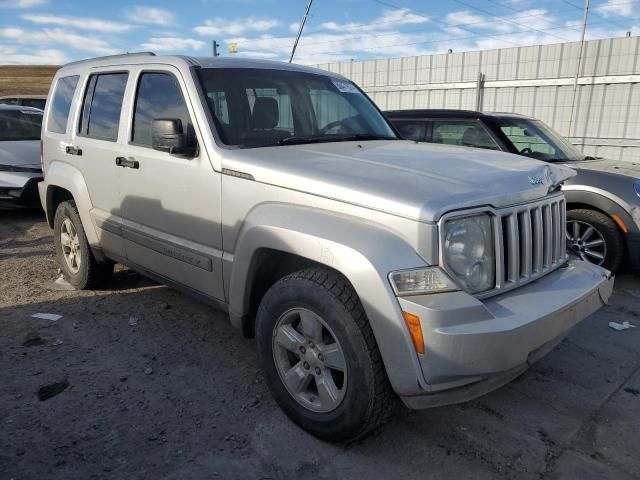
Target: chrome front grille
x=530 y=241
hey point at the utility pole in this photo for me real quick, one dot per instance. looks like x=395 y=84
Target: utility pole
x=215 y=46
x=575 y=83
x=304 y=20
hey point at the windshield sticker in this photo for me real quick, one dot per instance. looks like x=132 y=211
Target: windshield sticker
x=345 y=86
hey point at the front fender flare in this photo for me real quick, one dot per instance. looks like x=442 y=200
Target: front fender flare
x=364 y=252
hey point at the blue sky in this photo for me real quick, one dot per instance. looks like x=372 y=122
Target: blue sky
x=58 y=31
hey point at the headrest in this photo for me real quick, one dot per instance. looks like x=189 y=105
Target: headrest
x=265 y=113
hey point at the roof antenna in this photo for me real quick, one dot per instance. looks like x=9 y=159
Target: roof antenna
x=304 y=20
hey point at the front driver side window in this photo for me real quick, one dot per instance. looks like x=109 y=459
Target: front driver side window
x=158 y=96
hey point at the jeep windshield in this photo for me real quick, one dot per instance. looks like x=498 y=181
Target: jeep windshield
x=532 y=138
x=268 y=107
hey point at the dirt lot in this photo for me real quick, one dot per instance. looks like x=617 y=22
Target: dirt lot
x=162 y=387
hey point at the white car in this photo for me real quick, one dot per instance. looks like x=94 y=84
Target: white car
x=20 y=168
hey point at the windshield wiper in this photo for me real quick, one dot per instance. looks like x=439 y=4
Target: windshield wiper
x=298 y=140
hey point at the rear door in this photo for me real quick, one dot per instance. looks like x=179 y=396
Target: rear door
x=170 y=203
x=96 y=143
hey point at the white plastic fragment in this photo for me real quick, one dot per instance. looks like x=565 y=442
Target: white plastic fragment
x=47 y=316
x=621 y=326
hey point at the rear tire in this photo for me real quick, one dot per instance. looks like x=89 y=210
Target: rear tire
x=603 y=245
x=79 y=266
x=334 y=320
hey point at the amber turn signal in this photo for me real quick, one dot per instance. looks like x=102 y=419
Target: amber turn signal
x=415 y=330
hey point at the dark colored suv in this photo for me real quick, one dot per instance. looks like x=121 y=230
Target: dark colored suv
x=603 y=201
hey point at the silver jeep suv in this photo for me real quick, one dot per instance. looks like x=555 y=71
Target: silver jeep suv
x=367 y=267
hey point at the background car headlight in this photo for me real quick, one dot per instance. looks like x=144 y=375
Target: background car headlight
x=469 y=251
x=420 y=281
x=636 y=187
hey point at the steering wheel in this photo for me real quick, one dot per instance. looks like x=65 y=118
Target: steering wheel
x=332 y=125
x=526 y=151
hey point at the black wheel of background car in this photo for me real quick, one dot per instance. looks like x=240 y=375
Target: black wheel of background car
x=75 y=258
x=596 y=238
x=320 y=358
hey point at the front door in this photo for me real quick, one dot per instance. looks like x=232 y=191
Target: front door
x=170 y=203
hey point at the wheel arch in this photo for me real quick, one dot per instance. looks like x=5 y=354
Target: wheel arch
x=591 y=200
x=279 y=239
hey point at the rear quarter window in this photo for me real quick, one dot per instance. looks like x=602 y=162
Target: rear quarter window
x=61 y=104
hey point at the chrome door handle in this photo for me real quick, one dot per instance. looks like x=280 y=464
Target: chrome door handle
x=127 y=162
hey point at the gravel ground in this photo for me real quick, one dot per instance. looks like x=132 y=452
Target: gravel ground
x=140 y=381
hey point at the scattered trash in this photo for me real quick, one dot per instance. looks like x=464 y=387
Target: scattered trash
x=621 y=326
x=133 y=321
x=58 y=342
x=61 y=284
x=124 y=378
x=47 y=316
x=33 y=340
x=49 y=391
x=148 y=371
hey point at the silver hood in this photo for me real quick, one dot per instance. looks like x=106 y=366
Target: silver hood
x=20 y=153
x=418 y=181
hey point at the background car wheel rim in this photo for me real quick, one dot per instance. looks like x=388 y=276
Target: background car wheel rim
x=70 y=244
x=309 y=360
x=585 y=241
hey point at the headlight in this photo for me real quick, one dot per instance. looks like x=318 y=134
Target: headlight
x=468 y=251
x=420 y=281
x=636 y=187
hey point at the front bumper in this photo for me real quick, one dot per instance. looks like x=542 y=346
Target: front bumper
x=473 y=346
x=19 y=189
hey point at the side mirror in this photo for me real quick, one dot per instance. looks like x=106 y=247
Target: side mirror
x=168 y=136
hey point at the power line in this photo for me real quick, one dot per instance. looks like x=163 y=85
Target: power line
x=504 y=20
x=451 y=39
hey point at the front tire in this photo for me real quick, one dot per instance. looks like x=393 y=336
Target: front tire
x=79 y=266
x=320 y=358
x=596 y=238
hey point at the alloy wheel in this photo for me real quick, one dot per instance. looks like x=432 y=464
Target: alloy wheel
x=585 y=241
x=309 y=360
x=70 y=246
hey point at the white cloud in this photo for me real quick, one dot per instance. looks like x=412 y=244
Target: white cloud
x=172 y=44
x=22 y=3
x=616 y=7
x=151 y=16
x=58 y=36
x=390 y=19
x=464 y=17
x=11 y=56
x=82 y=23
x=236 y=26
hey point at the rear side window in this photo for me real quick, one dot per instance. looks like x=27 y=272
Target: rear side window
x=159 y=96
x=102 y=105
x=410 y=129
x=33 y=102
x=463 y=133
x=61 y=104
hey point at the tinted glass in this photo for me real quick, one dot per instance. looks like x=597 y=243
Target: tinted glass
x=10 y=101
x=463 y=133
x=34 y=102
x=102 y=105
x=534 y=139
x=410 y=129
x=262 y=107
x=61 y=104
x=20 y=125
x=159 y=96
